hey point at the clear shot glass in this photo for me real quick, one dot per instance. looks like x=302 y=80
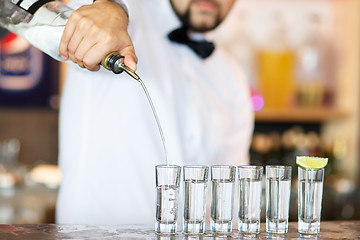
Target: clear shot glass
x=195 y=195
x=278 y=188
x=222 y=198
x=310 y=191
x=167 y=196
x=250 y=192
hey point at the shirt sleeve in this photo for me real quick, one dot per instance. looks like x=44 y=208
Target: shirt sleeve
x=134 y=10
x=75 y=4
x=132 y=7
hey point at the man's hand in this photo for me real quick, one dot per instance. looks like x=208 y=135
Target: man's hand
x=95 y=30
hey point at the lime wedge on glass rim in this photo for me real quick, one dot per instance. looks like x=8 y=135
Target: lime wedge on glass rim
x=311 y=162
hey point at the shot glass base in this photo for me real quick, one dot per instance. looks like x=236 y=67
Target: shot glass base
x=312 y=227
x=221 y=227
x=194 y=227
x=251 y=227
x=165 y=228
x=276 y=226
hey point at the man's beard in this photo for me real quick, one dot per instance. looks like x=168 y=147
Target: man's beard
x=186 y=21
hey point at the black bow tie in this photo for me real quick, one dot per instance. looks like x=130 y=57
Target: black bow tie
x=201 y=48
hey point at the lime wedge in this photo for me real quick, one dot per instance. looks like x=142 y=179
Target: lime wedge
x=311 y=162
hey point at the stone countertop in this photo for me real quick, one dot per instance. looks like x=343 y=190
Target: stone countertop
x=329 y=230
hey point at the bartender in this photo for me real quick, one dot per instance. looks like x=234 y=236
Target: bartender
x=109 y=140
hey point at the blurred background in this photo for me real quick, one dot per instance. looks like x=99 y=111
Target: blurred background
x=301 y=58
x=302 y=61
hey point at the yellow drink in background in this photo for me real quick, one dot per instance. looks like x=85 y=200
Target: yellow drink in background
x=275 y=77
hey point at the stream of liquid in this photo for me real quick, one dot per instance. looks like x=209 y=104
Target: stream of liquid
x=156 y=118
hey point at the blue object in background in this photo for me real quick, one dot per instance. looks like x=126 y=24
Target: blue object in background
x=28 y=78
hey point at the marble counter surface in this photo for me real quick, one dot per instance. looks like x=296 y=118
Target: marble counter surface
x=329 y=230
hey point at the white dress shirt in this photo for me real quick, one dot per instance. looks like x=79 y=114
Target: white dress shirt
x=109 y=140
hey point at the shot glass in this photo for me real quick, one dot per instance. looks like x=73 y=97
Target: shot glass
x=250 y=192
x=195 y=190
x=278 y=188
x=167 y=192
x=222 y=198
x=310 y=191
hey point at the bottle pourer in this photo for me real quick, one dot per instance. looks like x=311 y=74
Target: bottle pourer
x=112 y=62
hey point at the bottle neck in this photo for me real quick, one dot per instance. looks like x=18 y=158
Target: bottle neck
x=30 y=6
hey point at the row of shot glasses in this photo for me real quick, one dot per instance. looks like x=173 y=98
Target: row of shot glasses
x=222 y=178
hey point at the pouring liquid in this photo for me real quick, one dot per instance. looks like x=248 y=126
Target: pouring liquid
x=156 y=118
x=113 y=62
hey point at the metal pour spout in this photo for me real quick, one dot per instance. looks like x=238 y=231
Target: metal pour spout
x=112 y=62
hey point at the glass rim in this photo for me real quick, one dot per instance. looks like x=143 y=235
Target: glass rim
x=167 y=166
x=195 y=166
x=311 y=169
x=282 y=167
x=250 y=167
x=222 y=166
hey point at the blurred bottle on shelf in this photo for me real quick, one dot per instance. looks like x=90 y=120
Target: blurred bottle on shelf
x=315 y=66
x=310 y=68
x=275 y=67
x=288 y=146
x=275 y=154
x=314 y=144
x=339 y=153
x=326 y=146
x=10 y=173
x=260 y=147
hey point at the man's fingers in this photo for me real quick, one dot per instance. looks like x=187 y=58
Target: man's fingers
x=96 y=53
x=80 y=42
x=131 y=62
x=130 y=58
x=73 y=46
x=67 y=35
x=94 y=56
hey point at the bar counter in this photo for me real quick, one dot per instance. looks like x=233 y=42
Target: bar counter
x=329 y=230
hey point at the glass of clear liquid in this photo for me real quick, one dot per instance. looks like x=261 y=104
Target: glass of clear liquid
x=167 y=196
x=310 y=191
x=278 y=188
x=195 y=195
x=250 y=192
x=222 y=198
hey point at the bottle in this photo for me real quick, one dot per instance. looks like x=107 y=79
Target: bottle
x=275 y=66
x=42 y=23
x=310 y=67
